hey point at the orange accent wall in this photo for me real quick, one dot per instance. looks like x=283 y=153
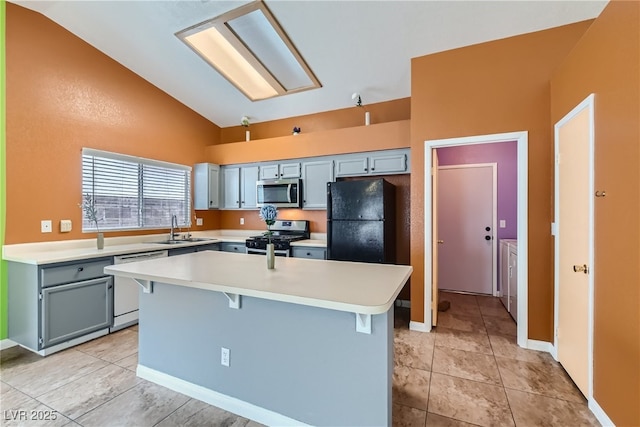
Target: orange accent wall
x=335 y=141
x=382 y=112
x=606 y=62
x=62 y=95
x=494 y=87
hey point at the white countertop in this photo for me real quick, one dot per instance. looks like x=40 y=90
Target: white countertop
x=339 y=285
x=72 y=250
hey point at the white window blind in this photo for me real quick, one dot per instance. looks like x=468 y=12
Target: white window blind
x=133 y=192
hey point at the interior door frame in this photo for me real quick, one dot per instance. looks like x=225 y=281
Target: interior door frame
x=588 y=102
x=522 y=140
x=494 y=216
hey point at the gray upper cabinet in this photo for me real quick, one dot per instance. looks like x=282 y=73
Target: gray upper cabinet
x=352 y=166
x=231 y=180
x=240 y=186
x=248 y=179
x=315 y=176
x=206 y=186
x=290 y=170
x=379 y=163
x=239 y=181
x=280 y=171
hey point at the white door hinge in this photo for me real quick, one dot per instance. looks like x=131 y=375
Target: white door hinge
x=554 y=229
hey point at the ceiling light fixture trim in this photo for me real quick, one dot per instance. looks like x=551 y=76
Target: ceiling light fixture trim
x=249 y=48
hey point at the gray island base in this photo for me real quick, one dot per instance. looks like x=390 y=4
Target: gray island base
x=296 y=353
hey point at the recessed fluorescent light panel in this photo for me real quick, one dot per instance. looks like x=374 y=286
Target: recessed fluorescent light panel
x=250 y=49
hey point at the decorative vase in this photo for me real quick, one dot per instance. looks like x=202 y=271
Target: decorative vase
x=271 y=256
x=100 y=241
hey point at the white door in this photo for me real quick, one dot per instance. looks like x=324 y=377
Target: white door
x=435 y=239
x=466 y=218
x=574 y=238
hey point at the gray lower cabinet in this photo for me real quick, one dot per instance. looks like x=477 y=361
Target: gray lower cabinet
x=51 y=305
x=309 y=252
x=239 y=248
x=76 y=309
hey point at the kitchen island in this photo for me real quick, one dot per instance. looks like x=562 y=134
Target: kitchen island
x=310 y=342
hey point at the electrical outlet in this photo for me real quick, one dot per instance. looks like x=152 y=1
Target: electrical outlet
x=241 y=221
x=198 y=221
x=45 y=226
x=224 y=357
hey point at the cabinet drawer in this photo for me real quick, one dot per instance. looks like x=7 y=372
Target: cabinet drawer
x=309 y=253
x=73 y=272
x=240 y=248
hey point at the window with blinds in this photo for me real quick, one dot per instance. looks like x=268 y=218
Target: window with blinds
x=133 y=192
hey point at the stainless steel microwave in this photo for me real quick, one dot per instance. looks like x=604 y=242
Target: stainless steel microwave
x=282 y=193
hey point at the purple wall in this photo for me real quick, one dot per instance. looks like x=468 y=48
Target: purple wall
x=505 y=154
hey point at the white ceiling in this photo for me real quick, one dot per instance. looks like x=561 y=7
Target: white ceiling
x=352 y=46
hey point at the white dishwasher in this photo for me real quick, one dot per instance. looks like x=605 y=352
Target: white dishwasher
x=125 y=291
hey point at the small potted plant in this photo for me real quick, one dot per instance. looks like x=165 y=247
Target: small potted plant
x=296 y=130
x=269 y=213
x=91 y=213
x=244 y=121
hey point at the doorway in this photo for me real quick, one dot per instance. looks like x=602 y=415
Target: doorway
x=467 y=205
x=574 y=244
x=521 y=139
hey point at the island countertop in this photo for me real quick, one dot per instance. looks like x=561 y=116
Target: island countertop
x=339 y=285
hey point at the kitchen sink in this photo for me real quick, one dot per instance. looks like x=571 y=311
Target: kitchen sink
x=179 y=241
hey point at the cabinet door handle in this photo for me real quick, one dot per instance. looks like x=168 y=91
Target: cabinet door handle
x=373 y=169
x=80 y=269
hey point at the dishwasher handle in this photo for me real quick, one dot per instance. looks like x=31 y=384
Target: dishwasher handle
x=121 y=259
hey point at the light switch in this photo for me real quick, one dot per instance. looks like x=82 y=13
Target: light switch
x=241 y=221
x=45 y=226
x=503 y=223
x=65 y=225
x=198 y=221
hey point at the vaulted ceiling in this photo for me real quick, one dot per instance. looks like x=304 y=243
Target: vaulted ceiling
x=352 y=46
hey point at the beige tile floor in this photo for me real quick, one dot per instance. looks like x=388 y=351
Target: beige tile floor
x=468 y=372
x=471 y=372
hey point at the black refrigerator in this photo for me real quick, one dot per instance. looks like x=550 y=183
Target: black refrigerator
x=361 y=221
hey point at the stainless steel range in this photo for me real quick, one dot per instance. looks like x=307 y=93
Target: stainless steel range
x=284 y=232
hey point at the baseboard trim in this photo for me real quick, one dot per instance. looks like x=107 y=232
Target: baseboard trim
x=7 y=343
x=540 y=345
x=420 y=327
x=228 y=403
x=602 y=416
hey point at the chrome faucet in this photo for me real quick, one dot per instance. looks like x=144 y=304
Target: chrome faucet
x=174 y=225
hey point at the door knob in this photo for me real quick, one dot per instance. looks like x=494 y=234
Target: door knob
x=581 y=268
x=440 y=242
x=487 y=237
x=487 y=229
